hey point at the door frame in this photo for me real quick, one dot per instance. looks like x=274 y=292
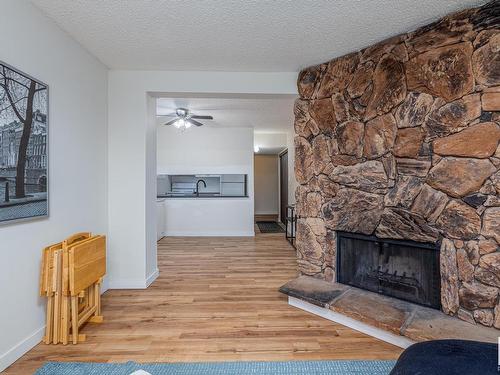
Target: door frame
x=283 y=200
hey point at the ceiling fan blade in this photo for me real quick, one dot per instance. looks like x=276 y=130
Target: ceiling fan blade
x=167 y=115
x=194 y=122
x=171 y=122
x=202 y=117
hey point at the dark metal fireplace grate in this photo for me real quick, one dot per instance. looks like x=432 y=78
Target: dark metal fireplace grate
x=402 y=269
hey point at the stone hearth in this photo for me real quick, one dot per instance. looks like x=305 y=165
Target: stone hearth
x=416 y=323
x=401 y=140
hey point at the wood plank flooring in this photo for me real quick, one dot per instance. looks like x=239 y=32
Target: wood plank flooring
x=216 y=299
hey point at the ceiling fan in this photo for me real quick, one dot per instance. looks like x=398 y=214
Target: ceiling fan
x=184 y=119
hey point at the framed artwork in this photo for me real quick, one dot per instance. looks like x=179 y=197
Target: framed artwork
x=24 y=104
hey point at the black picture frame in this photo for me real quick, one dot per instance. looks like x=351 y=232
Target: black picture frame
x=24 y=146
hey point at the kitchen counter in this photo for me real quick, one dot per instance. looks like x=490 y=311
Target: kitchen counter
x=197 y=196
x=206 y=204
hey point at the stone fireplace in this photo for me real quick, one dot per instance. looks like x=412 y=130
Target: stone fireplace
x=400 y=141
x=403 y=269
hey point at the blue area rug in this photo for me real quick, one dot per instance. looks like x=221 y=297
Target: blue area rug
x=222 y=368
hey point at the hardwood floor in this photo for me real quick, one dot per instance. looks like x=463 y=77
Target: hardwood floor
x=216 y=299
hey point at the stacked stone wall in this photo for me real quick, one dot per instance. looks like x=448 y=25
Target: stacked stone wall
x=401 y=140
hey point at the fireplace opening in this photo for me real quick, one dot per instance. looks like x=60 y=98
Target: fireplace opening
x=406 y=270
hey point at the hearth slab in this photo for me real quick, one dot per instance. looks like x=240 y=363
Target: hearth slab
x=381 y=334
x=410 y=321
x=428 y=324
x=315 y=291
x=373 y=309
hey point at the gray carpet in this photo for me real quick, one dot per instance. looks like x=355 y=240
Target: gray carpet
x=222 y=368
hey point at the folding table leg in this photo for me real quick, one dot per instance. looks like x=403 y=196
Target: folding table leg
x=97 y=296
x=65 y=320
x=98 y=288
x=49 y=320
x=90 y=293
x=57 y=296
x=74 y=319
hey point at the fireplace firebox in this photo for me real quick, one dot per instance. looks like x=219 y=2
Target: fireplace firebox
x=402 y=269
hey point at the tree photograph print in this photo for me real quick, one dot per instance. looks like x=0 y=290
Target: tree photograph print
x=23 y=146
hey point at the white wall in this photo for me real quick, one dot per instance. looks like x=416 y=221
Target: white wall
x=131 y=181
x=266 y=184
x=81 y=197
x=270 y=143
x=77 y=165
x=207 y=150
x=204 y=150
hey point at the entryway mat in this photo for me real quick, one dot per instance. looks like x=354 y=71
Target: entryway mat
x=269 y=227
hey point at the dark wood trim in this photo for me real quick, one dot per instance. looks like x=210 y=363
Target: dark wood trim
x=266 y=217
x=283 y=174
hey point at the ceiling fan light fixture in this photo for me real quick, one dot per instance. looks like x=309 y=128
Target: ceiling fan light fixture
x=180 y=123
x=181 y=112
x=185 y=119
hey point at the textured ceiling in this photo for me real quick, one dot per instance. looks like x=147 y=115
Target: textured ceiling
x=236 y=35
x=264 y=114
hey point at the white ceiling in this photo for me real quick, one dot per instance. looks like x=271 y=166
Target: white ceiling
x=264 y=113
x=233 y=35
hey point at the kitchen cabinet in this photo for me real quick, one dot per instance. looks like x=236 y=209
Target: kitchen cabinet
x=160 y=218
x=203 y=186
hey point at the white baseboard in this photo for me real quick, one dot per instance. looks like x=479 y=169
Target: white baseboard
x=127 y=284
x=152 y=277
x=209 y=234
x=369 y=330
x=13 y=354
x=133 y=283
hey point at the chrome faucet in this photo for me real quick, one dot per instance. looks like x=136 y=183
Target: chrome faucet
x=198 y=186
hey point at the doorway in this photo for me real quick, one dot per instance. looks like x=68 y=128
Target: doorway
x=266 y=187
